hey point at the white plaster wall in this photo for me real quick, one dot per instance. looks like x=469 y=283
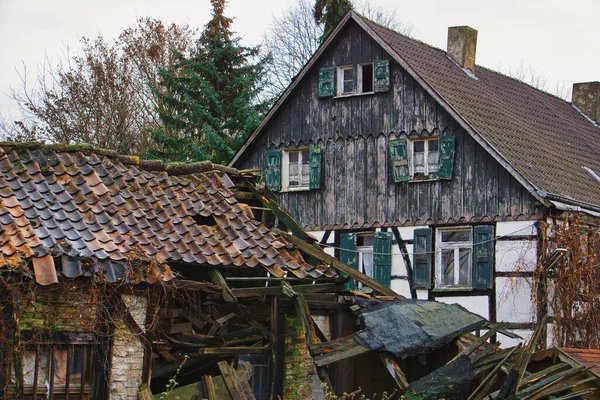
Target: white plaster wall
x=401 y=287
x=516 y=255
x=475 y=304
x=422 y=294
x=515 y=228
x=513 y=300
x=508 y=342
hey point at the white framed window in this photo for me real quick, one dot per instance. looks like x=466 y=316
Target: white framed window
x=365 y=78
x=364 y=246
x=454 y=257
x=345 y=84
x=424 y=157
x=295 y=170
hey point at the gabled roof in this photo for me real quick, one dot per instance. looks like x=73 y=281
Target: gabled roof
x=89 y=211
x=541 y=139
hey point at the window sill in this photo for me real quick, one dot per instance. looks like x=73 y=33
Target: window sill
x=424 y=178
x=343 y=96
x=453 y=288
x=295 y=189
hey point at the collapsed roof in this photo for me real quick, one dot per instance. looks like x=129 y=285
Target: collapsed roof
x=89 y=211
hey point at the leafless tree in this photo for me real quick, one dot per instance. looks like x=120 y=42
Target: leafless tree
x=104 y=96
x=294 y=36
x=537 y=79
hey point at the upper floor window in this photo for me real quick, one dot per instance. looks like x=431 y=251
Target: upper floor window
x=363 y=78
x=419 y=159
x=345 y=80
x=425 y=157
x=293 y=169
x=296 y=169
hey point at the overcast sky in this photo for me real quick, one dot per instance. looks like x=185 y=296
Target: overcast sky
x=558 y=39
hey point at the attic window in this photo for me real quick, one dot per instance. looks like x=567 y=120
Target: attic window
x=365 y=78
x=592 y=173
x=346 y=80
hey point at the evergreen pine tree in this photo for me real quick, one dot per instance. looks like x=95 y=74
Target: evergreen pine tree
x=329 y=13
x=211 y=98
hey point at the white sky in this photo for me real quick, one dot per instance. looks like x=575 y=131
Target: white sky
x=559 y=39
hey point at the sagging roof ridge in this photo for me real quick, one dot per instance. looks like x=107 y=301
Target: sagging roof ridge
x=172 y=168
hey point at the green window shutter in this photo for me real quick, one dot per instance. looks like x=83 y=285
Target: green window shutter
x=327 y=82
x=382 y=258
x=273 y=169
x=446 y=160
x=399 y=158
x=382 y=75
x=315 y=168
x=348 y=254
x=422 y=258
x=483 y=257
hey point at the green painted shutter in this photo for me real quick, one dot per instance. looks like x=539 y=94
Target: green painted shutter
x=327 y=82
x=273 y=169
x=348 y=254
x=422 y=258
x=382 y=75
x=483 y=257
x=446 y=160
x=382 y=258
x=315 y=168
x=399 y=160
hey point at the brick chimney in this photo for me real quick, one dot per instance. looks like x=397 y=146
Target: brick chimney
x=586 y=97
x=462 y=43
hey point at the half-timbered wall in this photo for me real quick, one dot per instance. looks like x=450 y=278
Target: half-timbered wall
x=357 y=189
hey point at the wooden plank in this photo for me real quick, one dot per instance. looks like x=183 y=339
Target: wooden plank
x=489 y=379
x=395 y=371
x=275 y=290
x=219 y=280
x=231 y=381
x=209 y=387
x=303 y=313
x=354 y=350
x=231 y=351
x=338 y=265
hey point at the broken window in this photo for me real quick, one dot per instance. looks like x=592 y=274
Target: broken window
x=55 y=371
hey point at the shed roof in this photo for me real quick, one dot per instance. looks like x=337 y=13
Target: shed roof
x=101 y=213
x=585 y=357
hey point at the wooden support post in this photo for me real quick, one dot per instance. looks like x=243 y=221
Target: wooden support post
x=219 y=280
x=407 y=263
x=277 y=349
x=320 y=255
x=394 y=369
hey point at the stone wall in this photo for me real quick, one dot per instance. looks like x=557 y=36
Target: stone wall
x=127 y=355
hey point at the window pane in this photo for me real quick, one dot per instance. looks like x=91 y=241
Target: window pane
x=305 y=173
x=464 y=277
x=419 y=147
x=306 y=156
x=294 y=175
x=364 y=240
x=447 y=267
x=432 y=145
x=419 y=163
x=367 y=263
x=456 y=236
x=432 y=161
x=348 y=74
x=293 y=156
x=348 y=86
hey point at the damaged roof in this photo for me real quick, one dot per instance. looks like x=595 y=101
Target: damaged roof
x=88 y=211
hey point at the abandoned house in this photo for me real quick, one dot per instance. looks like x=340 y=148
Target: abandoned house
x=431 y=174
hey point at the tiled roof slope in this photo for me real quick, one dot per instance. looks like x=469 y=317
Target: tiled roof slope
x=544 y=138
x=95 y=212
x=586 y=357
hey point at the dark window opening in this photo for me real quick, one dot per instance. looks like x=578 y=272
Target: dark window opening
x=259 y=382
x=367 y=78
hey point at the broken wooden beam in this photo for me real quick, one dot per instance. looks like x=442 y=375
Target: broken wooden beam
x=336 y=350
x=395 y=371
x=320 y=255
x=275 y=290
x=219 y=280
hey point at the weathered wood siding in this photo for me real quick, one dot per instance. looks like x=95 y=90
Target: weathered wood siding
x=357 y=189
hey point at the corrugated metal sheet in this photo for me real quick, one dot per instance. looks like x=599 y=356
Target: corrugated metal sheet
x=99 y=213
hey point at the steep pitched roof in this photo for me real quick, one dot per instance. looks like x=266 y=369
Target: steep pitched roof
x=94 y=212
x=542 y=140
